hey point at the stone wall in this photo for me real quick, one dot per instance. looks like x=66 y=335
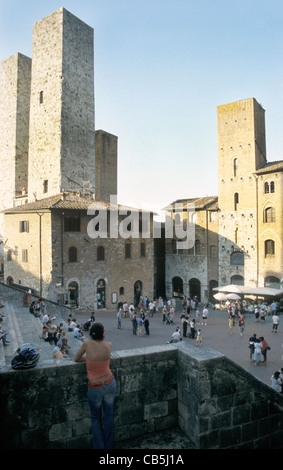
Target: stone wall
x=216 y=403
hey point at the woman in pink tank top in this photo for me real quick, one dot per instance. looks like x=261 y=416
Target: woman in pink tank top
x=101 y=385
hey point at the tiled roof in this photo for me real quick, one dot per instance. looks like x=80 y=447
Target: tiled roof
x=201 y=203
x=270 y=167
x=67 y=201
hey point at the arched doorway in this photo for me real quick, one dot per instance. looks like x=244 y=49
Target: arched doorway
x=137 y=292
x=10 y=281
x=194 y=285
x=101 y=293
x=177 y=286
x=73 y=293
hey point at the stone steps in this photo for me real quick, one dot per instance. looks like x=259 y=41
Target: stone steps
x=23 y=328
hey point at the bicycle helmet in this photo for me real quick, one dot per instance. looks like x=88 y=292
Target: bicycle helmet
x=25 y=357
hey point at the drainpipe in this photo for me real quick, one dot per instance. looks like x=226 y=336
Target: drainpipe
x=62 y=247
x=257 y=239
x=40 y=254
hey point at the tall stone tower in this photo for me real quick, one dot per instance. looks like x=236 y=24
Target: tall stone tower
x=14 y=127
x=241 y=151
x=14 y=132
x=105 y=165
x=62 y=130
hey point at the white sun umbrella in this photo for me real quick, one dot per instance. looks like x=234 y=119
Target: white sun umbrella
x=220 y=296
x=262 y=291
x=233 y=297
x=232 y=289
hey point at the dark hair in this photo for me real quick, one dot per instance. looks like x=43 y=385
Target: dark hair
x=97 y=331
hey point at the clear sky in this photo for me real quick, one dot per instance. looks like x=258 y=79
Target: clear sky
x=161 y=69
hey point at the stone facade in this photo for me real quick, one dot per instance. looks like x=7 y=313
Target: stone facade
x=106 y=164
x=248 y=228
x=193 y=270
x=53 y=249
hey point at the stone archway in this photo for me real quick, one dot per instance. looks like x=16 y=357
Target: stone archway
x=177 y=286
x=195 y=288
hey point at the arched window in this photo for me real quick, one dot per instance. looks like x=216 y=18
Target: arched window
x=273 y=282
x=266 y=188
x=236 y=201
x=269 y=248
x=235 y=166
x=213 y=251
x=237 y=280
x=237 y=258
x=100 y=253
x=73 y=254
x=269 y=215
x=269 y=187
x=101 y=293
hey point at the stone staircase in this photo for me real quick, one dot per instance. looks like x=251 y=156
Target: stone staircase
x=23 y=328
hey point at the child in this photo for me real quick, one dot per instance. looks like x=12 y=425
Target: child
x=199 y=338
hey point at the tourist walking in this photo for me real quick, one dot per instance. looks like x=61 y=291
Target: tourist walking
x=199 y=338
x=101 y=386
x=119 y=318
x=140 y=326
x=257 y=352
x=134 y=324
x=204 y=316
x=241 y=324
x=265 y=347
x=146 y=324
x=275 y=323
x=252 y=341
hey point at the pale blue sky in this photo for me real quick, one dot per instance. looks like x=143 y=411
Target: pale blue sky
x=161 y=69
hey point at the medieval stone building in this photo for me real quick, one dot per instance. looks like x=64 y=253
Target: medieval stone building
x=239 y=234
x=55 y=167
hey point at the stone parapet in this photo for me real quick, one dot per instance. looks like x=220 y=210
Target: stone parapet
x=214 y=402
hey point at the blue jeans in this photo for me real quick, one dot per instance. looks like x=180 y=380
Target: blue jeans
x=101 y=403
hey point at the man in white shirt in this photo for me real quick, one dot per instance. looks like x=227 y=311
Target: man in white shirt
x=275 y=323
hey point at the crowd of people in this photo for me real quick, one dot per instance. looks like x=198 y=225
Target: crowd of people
x=55 y=334
x=194 y=316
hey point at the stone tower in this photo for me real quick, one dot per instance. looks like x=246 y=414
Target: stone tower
x=14 y=127
x=241 y=151
x=105 y=165
x=62 y=130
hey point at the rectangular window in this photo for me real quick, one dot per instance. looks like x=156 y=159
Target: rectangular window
x=40 y=97
x=45 y=186
x=72 y=224
x=24 y=256
x=127 y=250
x=142 y=250
x=24 y=226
